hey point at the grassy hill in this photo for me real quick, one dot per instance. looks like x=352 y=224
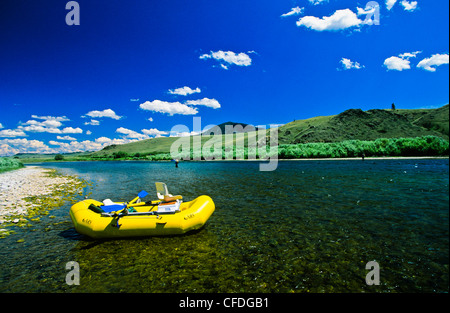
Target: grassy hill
x=355 y=124
x=147 y=146
x=236 y=126
x=163 y=144
x=352 y=124
x=436 y=120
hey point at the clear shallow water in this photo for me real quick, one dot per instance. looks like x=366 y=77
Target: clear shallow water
x=308 y=226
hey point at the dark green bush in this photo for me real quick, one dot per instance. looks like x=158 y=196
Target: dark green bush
x=7 y=164
x=120 y=155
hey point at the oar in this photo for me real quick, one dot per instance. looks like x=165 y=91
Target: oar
x=142 y=194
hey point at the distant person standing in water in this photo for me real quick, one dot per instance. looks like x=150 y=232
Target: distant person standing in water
x=176 y=162
x=363 y=156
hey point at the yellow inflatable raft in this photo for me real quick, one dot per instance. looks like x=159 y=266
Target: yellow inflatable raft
x=167 y=216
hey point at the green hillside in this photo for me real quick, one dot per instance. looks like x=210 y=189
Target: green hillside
x=355 y=124
x=163 y=144
x=238 y=127
x=147 y=146
x=437 y=119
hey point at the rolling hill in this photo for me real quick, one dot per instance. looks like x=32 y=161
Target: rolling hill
x=221 y=128
x=348 y=125
x=367 y=125
x=162 y=144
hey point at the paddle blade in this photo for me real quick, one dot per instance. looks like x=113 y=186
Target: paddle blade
x=142 y=194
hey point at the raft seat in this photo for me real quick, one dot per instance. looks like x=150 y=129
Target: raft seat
x=163 y=193
x=109 y=206
x=112 y=208
x=106 y=208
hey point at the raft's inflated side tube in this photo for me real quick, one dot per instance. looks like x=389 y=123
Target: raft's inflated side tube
x=193 y=215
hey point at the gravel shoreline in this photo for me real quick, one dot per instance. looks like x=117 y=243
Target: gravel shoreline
x=32 y=191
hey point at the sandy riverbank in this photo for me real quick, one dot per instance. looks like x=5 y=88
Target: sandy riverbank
x=26 y=190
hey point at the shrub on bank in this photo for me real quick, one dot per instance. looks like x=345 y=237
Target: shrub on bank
x=419 y=146
x=7 y=164
x=120 y=155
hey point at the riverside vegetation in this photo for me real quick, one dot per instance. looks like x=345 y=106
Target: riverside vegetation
x=8 y=164
x=383 y=147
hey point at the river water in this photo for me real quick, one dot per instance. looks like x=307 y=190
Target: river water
x=309 y=226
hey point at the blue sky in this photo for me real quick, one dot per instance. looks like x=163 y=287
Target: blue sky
x=133 y=69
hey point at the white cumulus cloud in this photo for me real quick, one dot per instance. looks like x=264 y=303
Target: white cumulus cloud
x=105 y=141
x=93 y=123
x=170 y=108
x=65 y=138
x=409 y=5
x=56 y=118
x=390 y=4
x=294 y=11
x=87 y=145
x=13 y=146
x=51 y=130
x=339 y=20
x=397 y=64
x=400 y=62
x=71 y=130
x=348 y=64
x=131 y=133
x=153 y=132
x=7 y=150
x=49 y=124
x=23 y=145
x=226 y=58
x=184 y=91
x=105 y=113
x=48 y=121
x=316 y=2
x=408 y=55
x=146 y=133
x=211 y=103
x=12 y=133
x=430 y=64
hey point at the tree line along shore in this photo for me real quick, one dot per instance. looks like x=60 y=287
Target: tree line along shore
x=425 y=146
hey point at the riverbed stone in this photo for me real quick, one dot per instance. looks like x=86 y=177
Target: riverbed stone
x=23 y=193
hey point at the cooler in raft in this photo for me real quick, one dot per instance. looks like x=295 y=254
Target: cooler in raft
x=167 y=216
